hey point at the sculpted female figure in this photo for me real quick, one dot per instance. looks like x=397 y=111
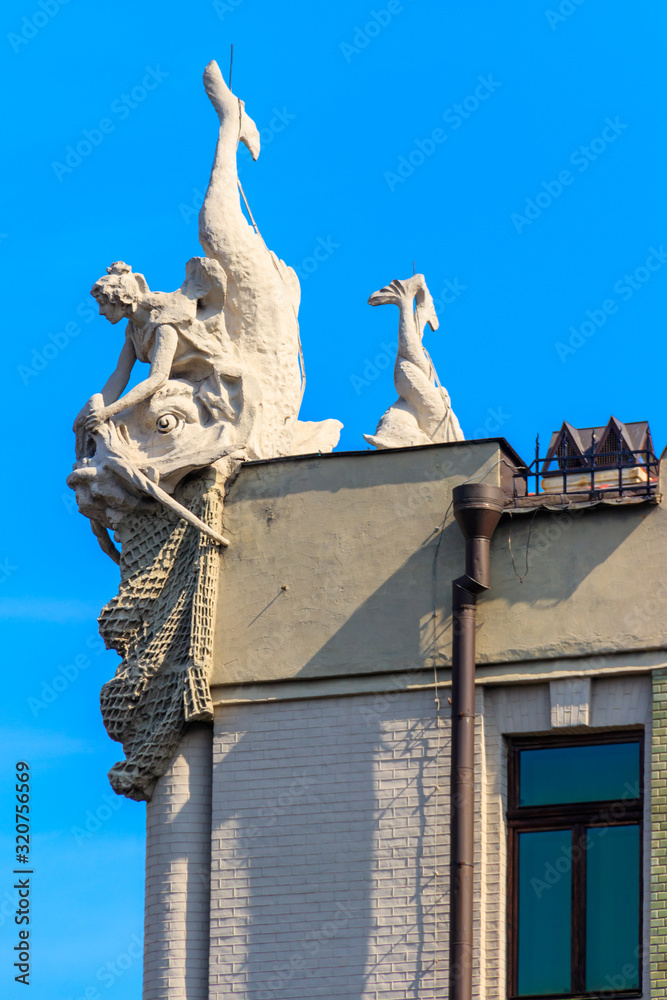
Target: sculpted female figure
x=179 y=334
x=197 y=405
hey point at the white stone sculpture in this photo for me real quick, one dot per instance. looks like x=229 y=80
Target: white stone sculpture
x=161 y=623
x=422 y=414
x=225 y=384
x=224 y=355
x=197 y=404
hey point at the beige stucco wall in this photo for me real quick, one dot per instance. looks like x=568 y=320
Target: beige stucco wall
x=337 y=563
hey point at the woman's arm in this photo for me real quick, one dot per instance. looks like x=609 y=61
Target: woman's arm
x=113 y=386
x=166 y=342
x=116 y=383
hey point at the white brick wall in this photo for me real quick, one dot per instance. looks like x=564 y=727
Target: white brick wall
x=490 y=852
x=178 y=848
x=326 y=841
x=323 y=849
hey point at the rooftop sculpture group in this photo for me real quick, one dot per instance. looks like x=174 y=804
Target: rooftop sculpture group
x=225 y=384
x=223 y=351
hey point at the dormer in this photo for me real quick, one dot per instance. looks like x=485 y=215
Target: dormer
x=566 y=449
x=614 y=456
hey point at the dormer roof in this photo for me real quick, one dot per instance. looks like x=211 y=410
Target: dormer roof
x=587 y=441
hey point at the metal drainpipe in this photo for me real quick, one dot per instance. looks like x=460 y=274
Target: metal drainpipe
x=477 y=509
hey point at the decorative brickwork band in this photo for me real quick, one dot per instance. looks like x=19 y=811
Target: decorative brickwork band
x=659 y=838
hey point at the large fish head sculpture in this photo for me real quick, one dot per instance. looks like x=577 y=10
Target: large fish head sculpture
x=146 y=450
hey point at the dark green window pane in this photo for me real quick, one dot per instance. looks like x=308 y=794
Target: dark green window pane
x=579 y=774
x=612 y=908
x=544 y=912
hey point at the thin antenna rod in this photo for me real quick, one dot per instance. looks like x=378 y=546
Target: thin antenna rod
x=231 y=63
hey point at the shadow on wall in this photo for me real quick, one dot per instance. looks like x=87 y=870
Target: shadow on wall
x=318 y=855
x=555 y=551
x=395 y=628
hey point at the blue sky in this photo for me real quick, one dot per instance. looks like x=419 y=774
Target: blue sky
x=516 y=153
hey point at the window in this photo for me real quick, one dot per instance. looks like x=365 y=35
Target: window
x=613 y=451
x=609 y=453
x=575 y=851
x=567 y=455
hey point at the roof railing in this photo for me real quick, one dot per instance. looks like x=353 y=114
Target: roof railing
x=631 y=473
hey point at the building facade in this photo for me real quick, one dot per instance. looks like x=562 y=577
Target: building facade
x=298 y=846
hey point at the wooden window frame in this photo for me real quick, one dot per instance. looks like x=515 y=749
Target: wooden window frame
x=577 y=816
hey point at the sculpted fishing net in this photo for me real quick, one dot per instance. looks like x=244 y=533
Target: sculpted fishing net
x=161 y=624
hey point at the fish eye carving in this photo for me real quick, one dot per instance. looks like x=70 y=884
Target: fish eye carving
x=167 y=422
